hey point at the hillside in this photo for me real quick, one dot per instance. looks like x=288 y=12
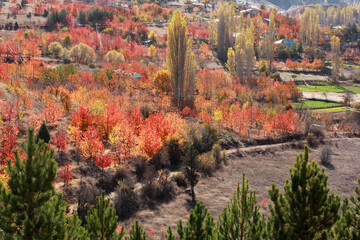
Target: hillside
x=285 y=4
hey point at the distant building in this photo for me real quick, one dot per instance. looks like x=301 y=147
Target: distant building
x=250 y=11
x=286 y=42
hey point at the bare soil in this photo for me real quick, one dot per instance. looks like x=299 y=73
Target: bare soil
x=262 y=168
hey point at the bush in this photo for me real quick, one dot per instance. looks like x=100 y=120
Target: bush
x=275 y=76
x=126 y=201
x=160 y=189
x=175 y=152
x=122 y=173
x=140 y=168
x=312 y=140
x=326 y=156
x=356 y=105
x=86 y=196
x=179 y=179
x=204 y=139
x=207 y=163
x=216 y=152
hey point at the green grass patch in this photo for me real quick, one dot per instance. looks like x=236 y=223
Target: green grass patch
x=315 y=104
x=353 y=89
x=306 y=88
x=350 y=65
x=336 y=109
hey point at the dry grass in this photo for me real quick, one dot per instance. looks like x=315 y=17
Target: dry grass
x=262 y=170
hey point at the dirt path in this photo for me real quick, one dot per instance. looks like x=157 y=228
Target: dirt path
x=331 y=96
x=262 y=169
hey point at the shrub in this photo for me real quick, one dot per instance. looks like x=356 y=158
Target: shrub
x=140 y=167
x=122 y=173
x=312 y=140
x=275 y=76
x=174 y=149
x=160 y=189
x=86 y=196
x=56 y=49
x=326 y=156
x=179 y=179
x=126 y=201
x=216 y=152
x=356 y=105
x=43 y=134
x=204 y=139
x=207 y=163
x=114 y=56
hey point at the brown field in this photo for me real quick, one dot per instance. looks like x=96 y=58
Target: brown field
x=262 y=170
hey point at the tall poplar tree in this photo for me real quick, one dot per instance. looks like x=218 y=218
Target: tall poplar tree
x=336 y=59
x=176 y=55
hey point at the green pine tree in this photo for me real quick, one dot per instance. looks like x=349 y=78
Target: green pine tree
x=43 y=133
x=136 y=232
x=29 y=208
x=348 y=227
x=305 y=210
x=169 y=234
x=241 y=218
x=191 y=168
x=102 y=220
x=199 y=226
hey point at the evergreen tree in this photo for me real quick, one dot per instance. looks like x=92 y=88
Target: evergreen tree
x=241 y=218
x=305 y=210
x=348 y=227
x=169 y=234
x=16 y=26
x=29 y=209
x=176 y=55
x=43 y=134
x=191 y=168
x=199 y=226
x=136 y=232
x=102 y=220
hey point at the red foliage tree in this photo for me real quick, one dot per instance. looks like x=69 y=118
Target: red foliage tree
x=64 y=174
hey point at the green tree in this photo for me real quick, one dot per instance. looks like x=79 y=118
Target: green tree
x=176 y=55
x=102 y=220
x=348 y=227
x=136 y=232
x=241 y=219
x=305 y=210
x=43 y=134
x=191 y=169
x=56 y=49
x=29 y=209
x=200 y=224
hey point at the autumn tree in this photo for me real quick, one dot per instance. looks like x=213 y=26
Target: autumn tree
x=190 y=71
x=336 y=59
x=225 y=29
x=162 y=81
x=268 y=43
x=82 y=53
x=176 y=55
x=114 y=56
x=231 y=62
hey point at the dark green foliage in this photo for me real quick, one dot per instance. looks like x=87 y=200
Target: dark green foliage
x=63 y=72
x=241 y=218
x=174 y=150
x=169 y=234
x=102 y=220
x=192 y=167
x=43 y=134
x=82 y=17
x=200 y=224
x=56 y=17
x=204 y=138
x=99 y=15
x=305 y=210
x=16 y=26
x=348 y=227
x=136 y=232
x=28 y=209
